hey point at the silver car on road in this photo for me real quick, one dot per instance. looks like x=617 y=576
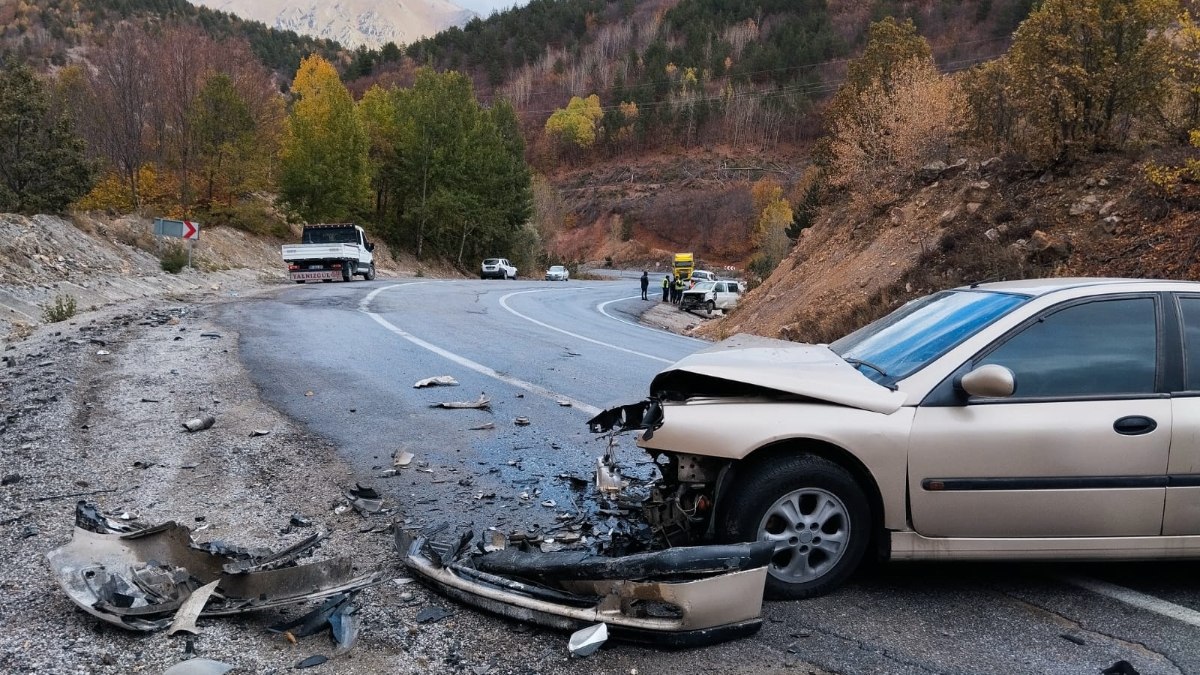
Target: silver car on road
x=1034 y=420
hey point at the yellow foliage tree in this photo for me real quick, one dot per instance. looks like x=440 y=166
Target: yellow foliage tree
x=894 y=130
x=324 y=172
x=773 y=217
x=575 y=125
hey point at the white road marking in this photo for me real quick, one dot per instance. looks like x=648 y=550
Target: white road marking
x=365 y=307
x=504 y=304
x=601 y=308
x=1139 y=600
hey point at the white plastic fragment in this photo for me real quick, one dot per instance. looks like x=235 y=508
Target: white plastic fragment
x=586 y=641
x=198 y=667
x=200 y=423
x=402 y=458
x=439 y=381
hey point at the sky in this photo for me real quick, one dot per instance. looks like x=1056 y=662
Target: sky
x=485 y=7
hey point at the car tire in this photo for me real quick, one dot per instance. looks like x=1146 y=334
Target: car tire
x=348 y=272
x=710 y=306
x=370 y=273
x=827 y=544
x=299 y=281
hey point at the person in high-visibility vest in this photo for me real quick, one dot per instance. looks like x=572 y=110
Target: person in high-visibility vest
x=666 y=288
x=677 y=295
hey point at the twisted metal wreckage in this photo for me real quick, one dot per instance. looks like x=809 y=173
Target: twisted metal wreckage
x=148 y=578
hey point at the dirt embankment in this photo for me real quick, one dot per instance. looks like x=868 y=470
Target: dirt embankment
x=643 y=211
x=100 y=261
x=972 y=221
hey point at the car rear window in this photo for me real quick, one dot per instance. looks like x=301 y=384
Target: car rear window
x=906 y=340
x=492 y=261
x=330 y=235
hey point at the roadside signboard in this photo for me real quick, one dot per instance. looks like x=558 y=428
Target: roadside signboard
x=181 y=229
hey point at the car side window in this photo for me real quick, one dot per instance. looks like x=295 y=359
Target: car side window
x=1105 y=347
x=1189 y=309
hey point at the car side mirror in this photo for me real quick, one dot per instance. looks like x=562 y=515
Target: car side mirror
x=370 y=246
x=990 y=381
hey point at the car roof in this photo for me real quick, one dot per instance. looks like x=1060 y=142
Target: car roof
x=1036 y=287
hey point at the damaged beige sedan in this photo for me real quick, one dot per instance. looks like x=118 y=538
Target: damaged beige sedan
x=1035 y=420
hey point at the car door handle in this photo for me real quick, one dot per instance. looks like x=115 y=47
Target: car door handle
x=1134 y=425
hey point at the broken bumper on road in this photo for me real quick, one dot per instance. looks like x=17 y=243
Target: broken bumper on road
x=142 y=578
x=682 y=597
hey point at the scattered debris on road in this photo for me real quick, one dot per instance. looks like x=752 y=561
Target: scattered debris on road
x=521 y=421
x=402 y=458
x=439 y=381
x=259 y=432
x=486 y=426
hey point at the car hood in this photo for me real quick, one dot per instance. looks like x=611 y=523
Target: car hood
x=811 y=371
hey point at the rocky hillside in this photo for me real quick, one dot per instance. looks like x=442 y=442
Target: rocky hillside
x=973 y=220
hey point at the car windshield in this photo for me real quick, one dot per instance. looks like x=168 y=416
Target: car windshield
x=558 y=268
x=492 y=261
x=904 y=341
x=703 y=287
x=330 y=235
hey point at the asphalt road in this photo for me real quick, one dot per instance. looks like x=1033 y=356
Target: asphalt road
x=533 y=346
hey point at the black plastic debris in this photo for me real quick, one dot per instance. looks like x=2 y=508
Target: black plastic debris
x=11 y=479
x=314 y=660
x=317 y=620
x=1121 y=667
x=300 y=521
x=344 y=625
x=433 y=614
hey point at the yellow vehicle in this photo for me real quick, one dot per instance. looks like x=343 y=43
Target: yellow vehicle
x=683 y=265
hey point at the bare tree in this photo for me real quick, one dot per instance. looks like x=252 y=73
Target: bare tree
x=122 y=89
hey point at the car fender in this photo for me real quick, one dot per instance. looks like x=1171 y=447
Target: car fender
x=736 y=429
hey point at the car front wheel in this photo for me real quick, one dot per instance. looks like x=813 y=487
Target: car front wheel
x=816 y=514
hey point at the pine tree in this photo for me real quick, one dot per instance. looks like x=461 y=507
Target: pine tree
x=42 y=162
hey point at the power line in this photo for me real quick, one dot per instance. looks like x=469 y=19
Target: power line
x=790 y=90
x=807 y=66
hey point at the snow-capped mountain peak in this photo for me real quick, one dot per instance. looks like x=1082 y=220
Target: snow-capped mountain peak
x=351 y=22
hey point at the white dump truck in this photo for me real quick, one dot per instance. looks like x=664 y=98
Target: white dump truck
x=328 y=252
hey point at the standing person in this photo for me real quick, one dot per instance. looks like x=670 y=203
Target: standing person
x=678 y=290
x=666 y=287
x=645 y=284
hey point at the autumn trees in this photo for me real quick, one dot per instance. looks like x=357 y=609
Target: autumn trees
x=182 y=127
x=1079 y=78
x=42 y=163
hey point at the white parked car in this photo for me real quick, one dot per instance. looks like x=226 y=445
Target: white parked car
x=710 y=295
x=558 y=273
x=497 y=268
x=702 y=275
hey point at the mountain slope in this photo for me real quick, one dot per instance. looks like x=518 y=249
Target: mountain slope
x=351 y=22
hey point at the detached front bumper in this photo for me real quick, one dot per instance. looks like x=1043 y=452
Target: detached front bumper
x=682 y=597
